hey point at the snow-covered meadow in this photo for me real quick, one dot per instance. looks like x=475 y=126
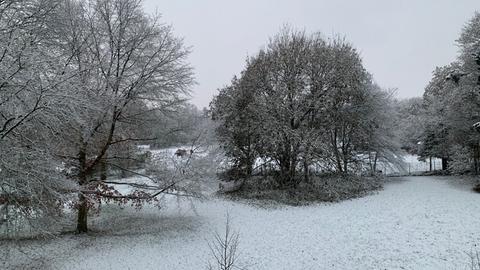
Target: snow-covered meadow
x=414 y=223
x=305 y=159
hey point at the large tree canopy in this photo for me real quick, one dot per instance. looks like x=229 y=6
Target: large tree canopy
x=77 y=80
x=451 y=105
x=301 y=101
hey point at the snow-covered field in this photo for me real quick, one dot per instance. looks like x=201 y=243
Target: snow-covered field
x=415 y=223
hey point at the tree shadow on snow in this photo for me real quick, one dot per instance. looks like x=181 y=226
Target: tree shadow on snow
x=134 y=223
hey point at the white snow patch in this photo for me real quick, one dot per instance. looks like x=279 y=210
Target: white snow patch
x=415 y=223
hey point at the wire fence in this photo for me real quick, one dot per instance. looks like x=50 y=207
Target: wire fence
x=421 y=166
x=413 y=166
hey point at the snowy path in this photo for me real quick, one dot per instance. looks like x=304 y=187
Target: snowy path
x=418 y=223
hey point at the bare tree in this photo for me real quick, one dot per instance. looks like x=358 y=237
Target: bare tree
x=474 y=260
x=130 y=66
x=224 y=249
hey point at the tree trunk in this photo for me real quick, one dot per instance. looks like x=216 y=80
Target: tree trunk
x=82 y=214
x=306 y=171
x=375 y=164
x=103 y=169
x=475 y=164
x=476 y=157
x=249 y=166
x=287 y=171
x=82 y=200
x=445 y=164
x=430 y=159
x=333 y=138
x=284 y=173
x=293 y=171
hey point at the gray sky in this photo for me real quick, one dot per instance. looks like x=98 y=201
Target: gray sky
x=401 y=42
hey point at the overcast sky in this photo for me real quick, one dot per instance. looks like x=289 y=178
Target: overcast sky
x=401 y=42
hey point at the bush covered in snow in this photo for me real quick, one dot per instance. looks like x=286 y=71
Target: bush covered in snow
x=461 y=160
x=476 y=187
x=325 y=188
x=474 y=260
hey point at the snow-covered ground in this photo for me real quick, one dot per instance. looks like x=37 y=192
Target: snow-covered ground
x=415 y=223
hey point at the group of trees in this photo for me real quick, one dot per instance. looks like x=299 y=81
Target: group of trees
x=180 y=127
x=80 y=84
x=307 y=101
x=304 y=101
x=83 y=82
x=441 y=124
x=408 y=124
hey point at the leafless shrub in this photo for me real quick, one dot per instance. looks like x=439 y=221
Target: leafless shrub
x=224 y=249
x=474 y=260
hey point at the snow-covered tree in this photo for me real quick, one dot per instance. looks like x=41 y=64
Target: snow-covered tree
x=301 y=101
x=235 y=109
x=34 y=103
x=130 y=65
x=77 y=79
x=452 y=105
